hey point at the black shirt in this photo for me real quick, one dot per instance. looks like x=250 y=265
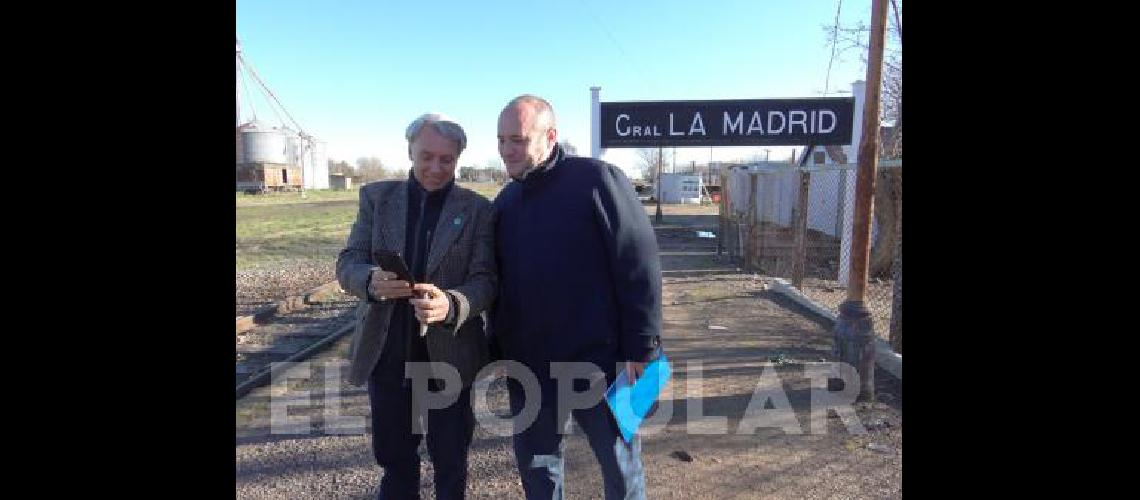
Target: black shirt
x=404 y=342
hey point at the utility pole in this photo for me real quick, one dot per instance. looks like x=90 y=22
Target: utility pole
x=306 y=157
x=854 y=331
x=660 y=191
x=237 y=86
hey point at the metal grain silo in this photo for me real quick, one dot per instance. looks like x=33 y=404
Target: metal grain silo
x=320 y=163
x=294 y=147
x=262 y=144
x=239 y=149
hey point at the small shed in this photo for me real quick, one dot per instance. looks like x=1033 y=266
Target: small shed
x=681 y=188
x=340 y=181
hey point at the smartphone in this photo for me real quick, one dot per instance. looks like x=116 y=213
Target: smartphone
x=394 y=263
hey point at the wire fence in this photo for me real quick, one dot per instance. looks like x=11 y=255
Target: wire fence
x=783 y=220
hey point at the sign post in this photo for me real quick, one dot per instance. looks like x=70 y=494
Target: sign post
x=595 y=128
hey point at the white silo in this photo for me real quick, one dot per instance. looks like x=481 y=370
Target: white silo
x=320 y=165
x=262 y=144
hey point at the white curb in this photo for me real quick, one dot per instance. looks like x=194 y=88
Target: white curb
x=884 y=356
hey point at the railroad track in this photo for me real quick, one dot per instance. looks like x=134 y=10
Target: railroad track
x=290 y=331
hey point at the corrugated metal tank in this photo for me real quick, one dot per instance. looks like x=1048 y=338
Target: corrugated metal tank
x=307 y=166
x=240 y=153
x=262 y=144
x=294 y=148
x=320 y=165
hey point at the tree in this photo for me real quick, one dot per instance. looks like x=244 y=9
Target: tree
x=888 y=186
x=341 y=167
x=371 y=169
x=648 y=159
x=844 y=39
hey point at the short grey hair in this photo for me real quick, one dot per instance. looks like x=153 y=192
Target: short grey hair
x=439 y=122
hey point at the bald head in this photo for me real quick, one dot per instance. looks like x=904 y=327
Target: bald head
x=527 y=134
x=542 y=110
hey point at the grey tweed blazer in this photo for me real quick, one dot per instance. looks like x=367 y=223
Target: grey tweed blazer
x=461 y=262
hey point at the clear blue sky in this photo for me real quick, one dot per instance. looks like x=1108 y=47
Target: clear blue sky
x=355 y=73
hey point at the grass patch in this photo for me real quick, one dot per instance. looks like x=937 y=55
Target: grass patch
x=300 y=231
x=489 y=190
x=282 y=227
x=311 y=196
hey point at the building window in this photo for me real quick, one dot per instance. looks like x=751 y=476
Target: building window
x=819 y=157
x=284 y=176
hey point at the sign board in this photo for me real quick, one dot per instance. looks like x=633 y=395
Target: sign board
x=754 y=122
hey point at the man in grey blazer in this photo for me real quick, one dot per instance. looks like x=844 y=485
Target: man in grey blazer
x=445 y=234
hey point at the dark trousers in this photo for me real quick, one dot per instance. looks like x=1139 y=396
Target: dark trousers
x=394 y=444
x=538 y=449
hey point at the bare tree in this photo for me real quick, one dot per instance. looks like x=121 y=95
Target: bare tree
x=846 y=38
x=371 y=169
x=647 y=160
x=341 y=167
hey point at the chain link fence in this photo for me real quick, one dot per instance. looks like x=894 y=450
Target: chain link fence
x=783 y=220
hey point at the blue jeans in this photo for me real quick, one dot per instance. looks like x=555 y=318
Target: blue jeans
x=538 y=449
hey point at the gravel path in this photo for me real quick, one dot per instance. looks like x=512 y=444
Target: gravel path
x=283 y=335
x=266 y=284
x=759 y=339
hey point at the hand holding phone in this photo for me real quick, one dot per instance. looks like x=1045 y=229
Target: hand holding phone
x=391 y=279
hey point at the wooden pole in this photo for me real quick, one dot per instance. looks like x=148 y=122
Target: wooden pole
x=801 y=230
x=854 y=330
x=868 y=158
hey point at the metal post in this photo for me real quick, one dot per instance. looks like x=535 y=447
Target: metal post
x=237 y=86
x=750 y=242
x=658 y=216
x=847 y=184
x=723 y=212
x=595 y=123
x=854 y=330
x=798 y=262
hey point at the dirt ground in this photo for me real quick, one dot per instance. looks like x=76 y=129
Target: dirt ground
x=729 y=339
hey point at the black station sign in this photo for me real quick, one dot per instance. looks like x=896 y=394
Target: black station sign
x=756 y=122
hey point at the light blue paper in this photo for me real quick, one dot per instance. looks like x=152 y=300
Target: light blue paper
x=631 y=403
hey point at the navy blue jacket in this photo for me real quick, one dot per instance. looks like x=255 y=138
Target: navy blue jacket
x=579 y=272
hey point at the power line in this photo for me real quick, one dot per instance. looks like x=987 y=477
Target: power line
x=613 y=39
x=264 y=94
x=248 y=99
x=270 y=92
x=834 y=44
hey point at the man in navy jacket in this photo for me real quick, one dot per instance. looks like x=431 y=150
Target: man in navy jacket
x=580 y=281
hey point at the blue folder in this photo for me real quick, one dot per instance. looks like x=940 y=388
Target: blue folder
x=631 y=403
